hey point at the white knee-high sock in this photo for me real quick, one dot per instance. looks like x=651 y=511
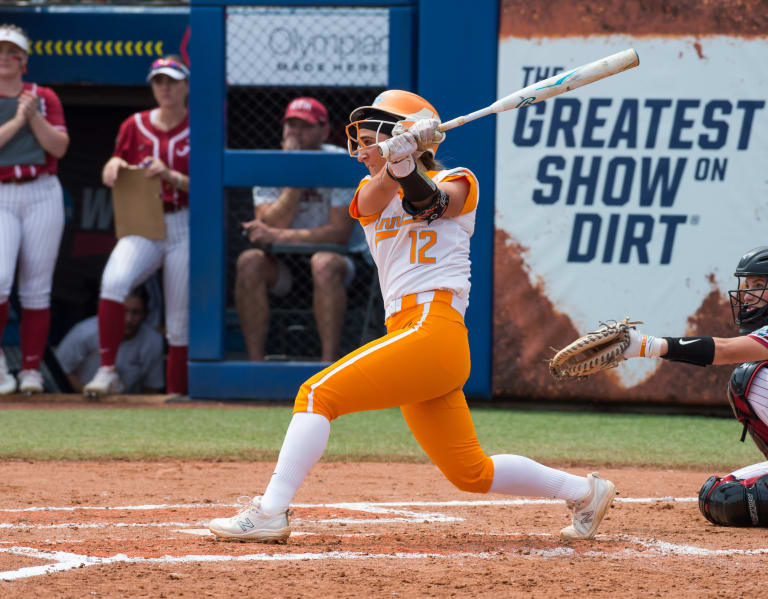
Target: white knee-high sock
x=303 y=446
x=518 y=475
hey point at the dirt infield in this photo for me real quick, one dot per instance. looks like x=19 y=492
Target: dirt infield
x=119 y=529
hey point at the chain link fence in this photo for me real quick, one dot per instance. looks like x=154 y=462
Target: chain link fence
x=275 y=54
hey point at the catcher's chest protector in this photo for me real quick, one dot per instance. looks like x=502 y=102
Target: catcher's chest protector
x=738 y=390
x=730 y=502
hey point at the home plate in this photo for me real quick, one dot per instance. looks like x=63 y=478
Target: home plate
x=200 y=532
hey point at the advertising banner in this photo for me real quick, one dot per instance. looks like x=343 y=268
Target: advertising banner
x=633 y=196
x=307 y=46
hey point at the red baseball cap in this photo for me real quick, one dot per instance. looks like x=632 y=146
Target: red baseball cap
x=307 y=109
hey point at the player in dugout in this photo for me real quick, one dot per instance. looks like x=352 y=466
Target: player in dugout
x=139 y=359
x=741 y=497
x=418 y=217
x=158 y=141
x=33 y=137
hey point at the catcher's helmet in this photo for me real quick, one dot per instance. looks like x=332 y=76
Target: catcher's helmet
x=389 y=107
x=747 y=313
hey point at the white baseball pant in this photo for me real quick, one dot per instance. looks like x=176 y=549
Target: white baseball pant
x=135 y=258
x=31 y=225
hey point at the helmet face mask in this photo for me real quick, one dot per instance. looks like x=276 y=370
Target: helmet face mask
x=389 y=108
x=378 y=127
x=749 y=301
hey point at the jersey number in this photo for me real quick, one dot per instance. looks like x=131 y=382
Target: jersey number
x=420 y=256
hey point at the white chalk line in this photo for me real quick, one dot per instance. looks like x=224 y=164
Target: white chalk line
x=67 y=561
x=365 y=505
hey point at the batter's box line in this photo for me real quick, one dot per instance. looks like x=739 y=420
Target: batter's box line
x=69 y=561
x=366 y=506
x=78 y=525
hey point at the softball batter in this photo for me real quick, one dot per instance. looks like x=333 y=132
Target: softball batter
x=31 y=207
x=418 y=218
x=157 y=140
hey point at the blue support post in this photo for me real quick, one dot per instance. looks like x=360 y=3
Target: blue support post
x=207 y=215
x=401 y=63
x=458 y=75
x=244 y=168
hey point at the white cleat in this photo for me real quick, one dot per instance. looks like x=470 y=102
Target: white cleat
x=7 y=380
x=251 y=524
x=30 y=382
x=106 y=381
x=589 y=511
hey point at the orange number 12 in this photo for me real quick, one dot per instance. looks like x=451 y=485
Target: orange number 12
x=431 y=237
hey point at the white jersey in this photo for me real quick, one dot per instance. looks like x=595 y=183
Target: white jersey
x=412 y=256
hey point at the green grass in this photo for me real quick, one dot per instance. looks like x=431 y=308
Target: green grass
x=255 y=433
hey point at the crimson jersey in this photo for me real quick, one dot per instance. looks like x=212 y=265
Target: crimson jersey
x=139 y=139
x=50 y=108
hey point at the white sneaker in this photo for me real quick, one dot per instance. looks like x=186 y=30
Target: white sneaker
x=251 y=524
x=7 y=380
x=105 y=382
x=589 y=511
x=30 y=381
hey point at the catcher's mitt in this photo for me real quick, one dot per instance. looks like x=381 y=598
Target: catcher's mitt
x=593 y=352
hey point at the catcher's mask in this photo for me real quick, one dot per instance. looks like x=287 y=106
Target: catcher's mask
x=389 y=108
x=749 y=305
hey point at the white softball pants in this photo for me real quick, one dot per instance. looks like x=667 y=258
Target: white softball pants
x=135 y=258
x=31 y=225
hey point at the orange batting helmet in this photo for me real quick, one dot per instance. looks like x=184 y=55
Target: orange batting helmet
x=389 y=107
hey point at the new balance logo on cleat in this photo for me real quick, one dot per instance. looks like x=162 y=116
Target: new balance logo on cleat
x=245 y=524
x=589 y=511
x=251 y=524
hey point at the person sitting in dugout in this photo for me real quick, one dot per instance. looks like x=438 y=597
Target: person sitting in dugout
x=139 y=359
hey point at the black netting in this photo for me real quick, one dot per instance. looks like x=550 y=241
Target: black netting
x=292 y=331
x=274 y=55
x=254 y=113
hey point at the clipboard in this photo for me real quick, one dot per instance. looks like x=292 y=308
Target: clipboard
x=137 y=202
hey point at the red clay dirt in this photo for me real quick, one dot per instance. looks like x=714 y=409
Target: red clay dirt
x=465 y=550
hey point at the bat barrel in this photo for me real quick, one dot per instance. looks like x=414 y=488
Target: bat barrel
x=563 y=82
x=554 y=86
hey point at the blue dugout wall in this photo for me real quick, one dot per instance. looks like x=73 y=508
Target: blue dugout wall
x=449 y=60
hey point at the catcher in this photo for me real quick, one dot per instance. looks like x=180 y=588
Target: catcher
x=741 y=498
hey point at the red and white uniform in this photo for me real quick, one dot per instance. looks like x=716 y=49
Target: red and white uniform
x=50 y=108
x=135 y=258
x=31 y=225
x=139 y=139
x=758 y=399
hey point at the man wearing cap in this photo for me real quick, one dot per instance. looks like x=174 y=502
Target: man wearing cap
x=33 y=137
x=295 y=215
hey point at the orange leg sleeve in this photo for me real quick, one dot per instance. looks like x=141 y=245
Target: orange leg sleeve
x=420 y=366
x=444 y=429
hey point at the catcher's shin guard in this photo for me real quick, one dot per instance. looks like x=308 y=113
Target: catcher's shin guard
x=730 y=502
